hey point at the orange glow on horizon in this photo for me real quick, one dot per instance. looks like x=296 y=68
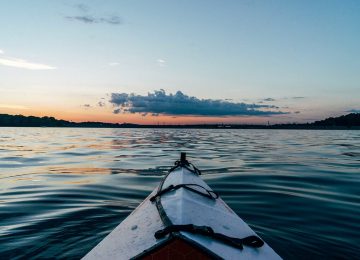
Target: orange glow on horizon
x=106 y=116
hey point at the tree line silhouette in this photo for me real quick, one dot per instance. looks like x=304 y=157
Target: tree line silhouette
x=349 y=121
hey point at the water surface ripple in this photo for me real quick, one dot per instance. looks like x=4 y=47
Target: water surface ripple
x=63 y=190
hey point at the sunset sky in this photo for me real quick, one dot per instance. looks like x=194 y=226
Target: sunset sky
x=185 y=61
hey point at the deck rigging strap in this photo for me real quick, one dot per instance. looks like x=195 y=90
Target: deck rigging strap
x=251 y=241
x=209 y=193
x=186 y=164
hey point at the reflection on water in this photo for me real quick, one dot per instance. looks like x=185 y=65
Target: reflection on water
x=63 y=190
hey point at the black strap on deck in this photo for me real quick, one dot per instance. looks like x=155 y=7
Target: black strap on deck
x=251 y=241
x=186 y=164
x=207 y=193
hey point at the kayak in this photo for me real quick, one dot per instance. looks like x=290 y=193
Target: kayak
x=183 y=218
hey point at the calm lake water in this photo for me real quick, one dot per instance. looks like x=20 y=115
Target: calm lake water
x=63 y=190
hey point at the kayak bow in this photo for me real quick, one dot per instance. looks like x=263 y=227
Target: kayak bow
x=182 y=219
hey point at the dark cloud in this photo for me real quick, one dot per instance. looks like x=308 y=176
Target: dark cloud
x=180 y=104
x=113 y=20
x=83 y=18
x=268 y=99
x=101 y=104
x=86 y=17
x=297 y=112
x=298 y=97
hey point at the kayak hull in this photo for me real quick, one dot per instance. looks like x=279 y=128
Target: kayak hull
x=176 y=248
x=134 y=237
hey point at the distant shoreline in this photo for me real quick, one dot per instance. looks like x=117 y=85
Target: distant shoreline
x=345 y=122
x=251 y=127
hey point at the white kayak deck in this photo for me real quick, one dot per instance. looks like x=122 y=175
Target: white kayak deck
x=136 y=233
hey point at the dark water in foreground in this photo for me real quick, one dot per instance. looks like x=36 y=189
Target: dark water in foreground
x=63 y=190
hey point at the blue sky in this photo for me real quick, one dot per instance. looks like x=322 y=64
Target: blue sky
x=63 y=57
